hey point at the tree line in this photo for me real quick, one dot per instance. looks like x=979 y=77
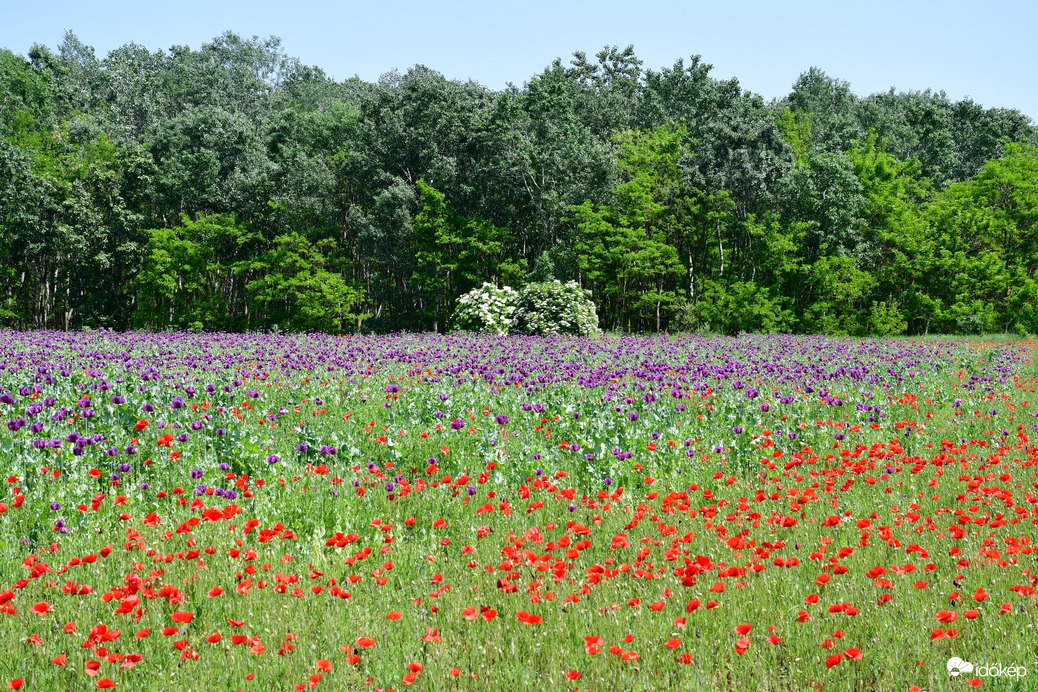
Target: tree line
x=232 y=187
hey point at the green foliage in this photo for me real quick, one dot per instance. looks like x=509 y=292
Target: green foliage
x=985 y=232
x=886 y=319
x=557 y=263
x=622 y=248
x=796 y=130
x=454 y=252
x=741 y=307
x=206 y=270
x=296 y=291
x=188 y=279
x=826 y=199
x=839 y=293
x=1024 y=304
x=275 y=196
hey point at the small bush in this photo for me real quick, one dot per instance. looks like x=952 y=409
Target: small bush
x=486 y=309
x=553 y=307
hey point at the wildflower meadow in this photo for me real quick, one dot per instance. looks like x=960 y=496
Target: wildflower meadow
x=203 y=511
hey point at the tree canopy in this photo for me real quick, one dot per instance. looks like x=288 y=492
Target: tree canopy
x=231 y=187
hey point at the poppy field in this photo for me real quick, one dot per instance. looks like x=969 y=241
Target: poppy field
x=253 y=512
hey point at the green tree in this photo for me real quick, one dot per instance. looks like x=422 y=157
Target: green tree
x=294 y=290
x=901 y=253
x=454 y=253
x=696 y=192
x=832 y=108
x=196 y=275
x=622 y=247
x=741 y=307
x=987 y=250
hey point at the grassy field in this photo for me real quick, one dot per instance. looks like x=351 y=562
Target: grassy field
x=251 y=512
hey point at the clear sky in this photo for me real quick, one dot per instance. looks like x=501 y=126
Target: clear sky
x=983 y=50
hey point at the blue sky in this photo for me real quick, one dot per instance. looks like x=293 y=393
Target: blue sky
x=981 y=50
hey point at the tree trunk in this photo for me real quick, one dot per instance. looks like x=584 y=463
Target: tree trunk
x=691 y=278
x=720 y=249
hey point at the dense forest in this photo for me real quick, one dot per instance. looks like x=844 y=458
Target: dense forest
x=232 y=187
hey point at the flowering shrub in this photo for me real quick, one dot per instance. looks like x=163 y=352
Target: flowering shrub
x=553 y=307
x=550 y=307
x=486 y=309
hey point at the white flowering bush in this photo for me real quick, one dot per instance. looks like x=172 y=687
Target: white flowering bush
x=553 y=307
x=487 y=309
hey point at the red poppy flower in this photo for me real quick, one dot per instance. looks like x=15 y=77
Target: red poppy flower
x=41 y=608
x=528 y=618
